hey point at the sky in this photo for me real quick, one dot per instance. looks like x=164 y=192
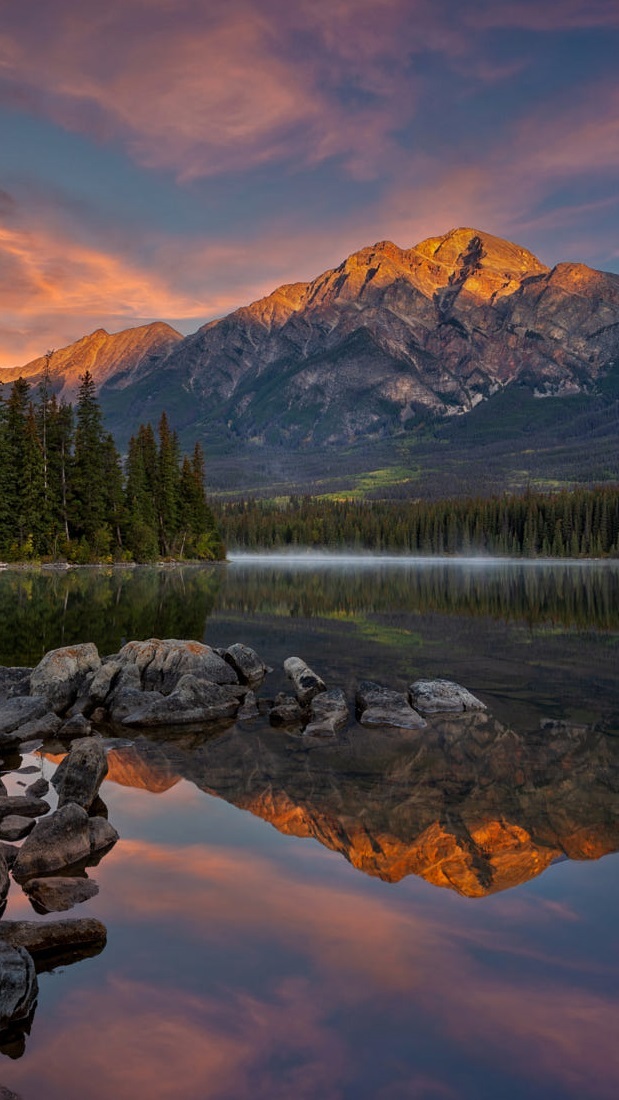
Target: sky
x=174 y=159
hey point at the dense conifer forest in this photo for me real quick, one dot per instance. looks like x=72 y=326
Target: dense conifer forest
x=65 y=495
x=577 y=524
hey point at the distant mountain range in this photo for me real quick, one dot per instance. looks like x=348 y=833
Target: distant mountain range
x=364 y=377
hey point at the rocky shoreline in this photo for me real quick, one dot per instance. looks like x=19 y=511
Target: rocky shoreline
x=76 y=702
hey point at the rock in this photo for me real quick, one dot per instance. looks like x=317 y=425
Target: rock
x=40 y=938
x=249 y=709
x=306 y=683
x=442 y=696
x=15 y=827
x=14 y=681
x=329 y=713
x=162 y=663
x=286 y=711
x=3 y=790
x=9 y=853
x=76 y=726
x=44 y=727
x=79 y=776
x=24 y=805
x=62 y=674
x=81 y=707
x=102 y=835
x=379 y=708
x=193 y=702
x=18 y=984
x=5 y=880
x=103 y=681
x=57 y=841
x=8 y=1094
x=18 y=711
x=39 y=788
x=57 y=894
x=248 y=666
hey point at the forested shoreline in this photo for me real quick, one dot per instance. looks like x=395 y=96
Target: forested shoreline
x=581 y=523
x=66 y=496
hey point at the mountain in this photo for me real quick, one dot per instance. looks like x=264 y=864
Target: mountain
x=373 y=363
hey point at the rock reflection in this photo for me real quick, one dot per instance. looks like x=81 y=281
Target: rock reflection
x=466 y=804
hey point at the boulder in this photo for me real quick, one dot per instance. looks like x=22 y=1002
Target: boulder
x=306 y=683
x=62 y=674
x=18 y=984
x=44 y=727
x=329 y=713
x=14 y=681
x=442 y=697
x=248 y=666
x=193 y=702
x=162 y=663
x=102 y=836
x=18 y=711
x=24 y=805
x=40 y=938
x=5 y=880
x=103 y=681
x=249 y=708
x=75 y=726
x=57 y=894
x=380 y=708
x=57 y=841
x=15 y=827
x=79 y=776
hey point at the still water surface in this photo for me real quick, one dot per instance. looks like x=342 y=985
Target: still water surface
x=429 y=915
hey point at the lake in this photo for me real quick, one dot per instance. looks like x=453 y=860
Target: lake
x=385 y=914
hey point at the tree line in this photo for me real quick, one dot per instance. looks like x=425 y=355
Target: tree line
x=571 y=524
x=65 y=494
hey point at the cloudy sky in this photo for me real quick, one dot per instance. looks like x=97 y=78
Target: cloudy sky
x=173 y=159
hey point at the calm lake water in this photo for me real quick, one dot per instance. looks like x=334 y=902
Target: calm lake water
x=386 y=915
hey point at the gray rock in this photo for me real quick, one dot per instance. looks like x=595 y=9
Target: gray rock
x=306 y=683
x=18 y=711
x=39 y=728
x=381 y=708
x=57 y=894
x=249 y=667
x=41 y=938
x=39 y=788
x=23 y=804
x=329 y=713
x=102 y=835
x=5 y=880
x=9 y=853
x=249 y=709
x=79 y=776
x=193 y=702
x=15 y=827
x=18 y=984
x=162 y=663
x=286 y=711
x=76 y=726
x=62 y=674
x=103 y=681
x=14 y=681
x=442 y=696
x=57 y=841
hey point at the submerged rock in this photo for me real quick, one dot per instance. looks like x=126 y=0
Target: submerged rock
x=18 y=984
x=286 y=711
x=442 y=697
x=79 y=776
x=379 y=707
x=249 y=708
x=329 y=713
x=306 y=683
x=62 y=674
x=56 y=894
x=249 y=667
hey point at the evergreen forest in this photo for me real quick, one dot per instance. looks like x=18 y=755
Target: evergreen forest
x=64 y=494
x=580 y=523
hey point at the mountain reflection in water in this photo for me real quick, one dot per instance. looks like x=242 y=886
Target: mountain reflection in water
x=466 y=803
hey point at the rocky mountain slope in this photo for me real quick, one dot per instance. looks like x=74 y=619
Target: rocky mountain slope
x=388 y=342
